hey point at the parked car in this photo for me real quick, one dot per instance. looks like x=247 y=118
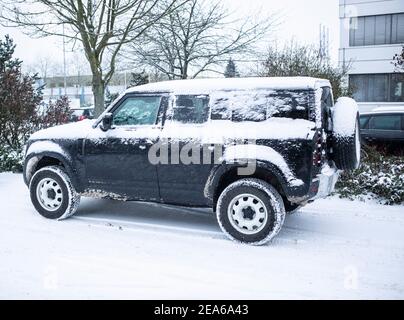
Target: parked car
x=383 y=125
x=251 y=149
x=79 y=114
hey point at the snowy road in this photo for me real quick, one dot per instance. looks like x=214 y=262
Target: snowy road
x=331 y=249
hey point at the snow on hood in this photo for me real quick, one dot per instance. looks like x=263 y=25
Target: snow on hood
x=74 y=130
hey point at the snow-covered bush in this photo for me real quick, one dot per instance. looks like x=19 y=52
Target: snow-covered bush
x=379 y=176
x=10 y=160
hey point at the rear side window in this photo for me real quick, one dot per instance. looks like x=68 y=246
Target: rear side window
x=259 y=105
x=387 y=122
x=191 y=109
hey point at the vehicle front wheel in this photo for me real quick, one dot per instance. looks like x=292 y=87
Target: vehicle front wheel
x=250 y=211
x=53 y=194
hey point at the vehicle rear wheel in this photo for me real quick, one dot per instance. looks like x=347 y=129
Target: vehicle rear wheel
x=53 y=194
x=250 y=211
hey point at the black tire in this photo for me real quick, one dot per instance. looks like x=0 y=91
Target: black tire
x=64 y=195
x=266 y=197
x=346 y=149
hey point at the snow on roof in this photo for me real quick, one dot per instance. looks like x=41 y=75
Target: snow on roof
x=209 y=85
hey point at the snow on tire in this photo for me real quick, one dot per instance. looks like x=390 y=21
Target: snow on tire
x=53 y=194
x=346 y=134
x=250 y=211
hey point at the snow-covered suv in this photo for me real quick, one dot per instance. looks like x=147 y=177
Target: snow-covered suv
x=252 y=149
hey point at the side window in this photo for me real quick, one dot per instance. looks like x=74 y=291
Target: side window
x=388 y=122
x=260 y=105
x=137 y=111
x=364 y=122
x=327 y=103
x=191 y=109
x=327 y=98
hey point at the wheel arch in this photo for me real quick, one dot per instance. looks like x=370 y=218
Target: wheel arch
x=38 y=160
x=223 y=175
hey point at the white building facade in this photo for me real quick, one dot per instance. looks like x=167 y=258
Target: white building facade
x=371 y=33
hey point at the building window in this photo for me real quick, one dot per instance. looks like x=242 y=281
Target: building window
x=377 y=30
x=377 y=87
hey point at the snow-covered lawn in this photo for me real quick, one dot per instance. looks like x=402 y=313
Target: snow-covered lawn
x=331 y=249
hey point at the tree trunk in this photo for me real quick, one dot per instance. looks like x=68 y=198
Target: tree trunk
x=99 y=95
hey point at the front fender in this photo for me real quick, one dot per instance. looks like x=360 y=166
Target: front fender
x=37 y=150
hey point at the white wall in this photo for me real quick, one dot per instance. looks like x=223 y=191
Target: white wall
x=367 y=59
x=355 y=8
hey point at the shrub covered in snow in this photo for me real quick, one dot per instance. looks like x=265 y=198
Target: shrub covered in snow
x=379 y=176
x=10 y=160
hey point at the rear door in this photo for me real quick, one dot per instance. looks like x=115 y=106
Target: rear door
x=183 y=176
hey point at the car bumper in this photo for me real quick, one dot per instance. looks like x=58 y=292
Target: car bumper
x=324 y=183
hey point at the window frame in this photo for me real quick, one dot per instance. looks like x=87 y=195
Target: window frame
x=169 y=115
x=366 y=80
x=390 y=34
x=160 y=112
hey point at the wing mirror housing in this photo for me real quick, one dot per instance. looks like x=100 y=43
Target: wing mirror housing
x=106 y=122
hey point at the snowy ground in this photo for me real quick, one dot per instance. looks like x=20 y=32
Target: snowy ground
x=331 y=249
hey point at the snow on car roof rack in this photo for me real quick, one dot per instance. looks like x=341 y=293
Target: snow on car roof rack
x=217 y=84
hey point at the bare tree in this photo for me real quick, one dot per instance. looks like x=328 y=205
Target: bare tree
x=304 y=60
x=195 y=38
x=102 y=27
x=45 y=67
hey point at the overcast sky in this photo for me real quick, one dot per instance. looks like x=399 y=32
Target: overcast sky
x=299 y=20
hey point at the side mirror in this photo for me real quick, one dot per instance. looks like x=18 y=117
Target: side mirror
x=106 y=122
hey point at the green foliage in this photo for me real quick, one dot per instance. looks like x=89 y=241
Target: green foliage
x=138 y=78
x=295 y=60
x=7 y=48
x=379 y=176
x=231 y=70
